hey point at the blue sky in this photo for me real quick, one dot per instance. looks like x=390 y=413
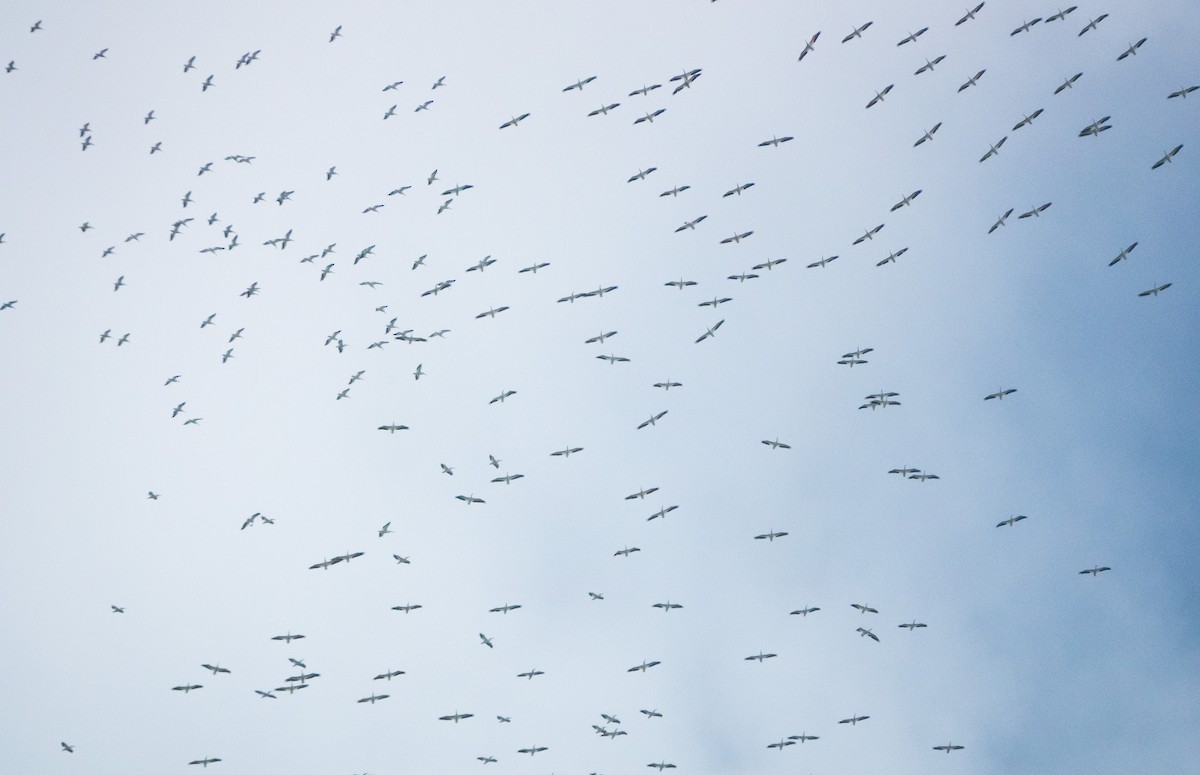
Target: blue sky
x=1026 y=663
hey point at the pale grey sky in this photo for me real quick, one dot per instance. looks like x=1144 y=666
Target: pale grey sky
x=1028 y=664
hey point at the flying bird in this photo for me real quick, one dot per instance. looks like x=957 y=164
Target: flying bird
x=928 y=134
x=1069 y=83
x=1132 y=50
x=1091 y=25
x=912 y=36
x=1095 y=570
x=857 y=33
x=949 y=747
x=879 y=95
x=805 y=611
x=1060 y=15
x=1124 y=254
x=513 y=121
x=999 y=395
x=808 y=47
x=1155 y=290
x=973 y=80
x=969 y=15
x=1167 y=157
x=864 y=632
x=1025 y=26
x=1011 y=520
x=929 y=65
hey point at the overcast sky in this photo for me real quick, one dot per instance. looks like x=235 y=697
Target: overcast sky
x=1028 y=664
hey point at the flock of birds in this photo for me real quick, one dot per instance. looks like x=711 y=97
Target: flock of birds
x=327 y=268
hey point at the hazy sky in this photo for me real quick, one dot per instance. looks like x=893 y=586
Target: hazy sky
x=1026 y=662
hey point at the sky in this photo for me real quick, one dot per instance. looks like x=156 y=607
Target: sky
x=1024 y=661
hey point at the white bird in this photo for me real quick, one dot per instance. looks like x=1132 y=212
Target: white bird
x=1000 y=221
x=776 y=444
x=868 y=234
x=455 y=717
x=207 y=760
x=771 y=536
x=930 y=64
x=1155 y=290
x=1000 y=394
x=914 y=624
x=650 y=116
x=973 y=80
x=1069 y=83
x=775 y=141
x=407 y=607
x=864 y=609
x=667 y=606
x=857 y=33
x=879 y=95
x=1133 y=47
x=1124 y=254
x=580 y=83
x=1035 y=212
x=948 y=747
x=912 y=36
x=387 y=528
x=504 y=609
x=653 y=419
x=993 y=149
x=805 y=611
x=1091 y=25
x=646 y=665
x=603 y=109
x=759 y=657
x=738 y=189
x=969 y=15
x=1184 y=92
x=1025 y=26
x=710 y=331
x=1167 y=157
x=1095 y=570
x=929 y=134
x=853 y=720
x=808 y=47
x=628 y=550
x=1011 y=520
x=514 y=120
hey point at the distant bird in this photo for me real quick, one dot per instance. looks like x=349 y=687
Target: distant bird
x=667 y=606
x=265 y=695
x=152 y=495
x=469 y=499
x=626 y=551
x=853 y=720
x=738 y=189
x=387 y=528
x=921 y=477
x=514 y=120
x=149 y=117
x=864 y=632
x=948 y=747
x=808 y=47
x=532 y=749
x=393 y=428
x=771 y=536
x=805 y=611
x=486 y=759
x=596 y=595
x=116 y=609
x=1096 y=127
x=641 y=174
x=1155 y=290
x=1095 y=570
x=1025 y=26
x=119 y=283
x=401 y=560
x=993 y=150
x=912 y=36
x=643 y=667
x=999 y=395
x=207 y=760
x=530 y=674
x=579 y=84
x=1069 y=83
x=503 y=395
x=100 y=54
x=973 y=80
x=36 y=26
x=651 y=713
x=969 y=15
x=1027 y=120
x=337 y=33
x=485 y=640
x=930 y=64
x=1091 y=25
x=207 y=83
x=857 y=33
x=1060 y=15
x=185 y=688
x=504 y=609
x=864 y=609
x=1182 y=92
x=1167 y=157
x=781 y=744
x=868 y=234
x=879 y=95
x=1124 y=254
x=759 y=657
x=776 y=444
x=1133 y=47
x=287 y=638
x=215 y=668
x=822 y=262
x=661 y=513
x=1035 y=212
x=663 y=765
x=407 y=607
x=566 y=452
x=373 y=698
x=1011 y=520
x=456 y=717
x=914 y=624
x=649 y=116
x=775 y=141
x=710 y=331
x=928 y=134
x=1000 y=221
